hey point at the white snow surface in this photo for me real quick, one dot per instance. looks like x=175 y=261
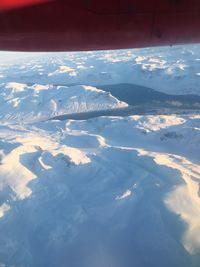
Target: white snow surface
x=99 y=190
x=173 y=70
x=20 y=102
x=102 y=192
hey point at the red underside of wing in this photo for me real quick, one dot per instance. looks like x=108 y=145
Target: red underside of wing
x=93 y=25
x=13 y=4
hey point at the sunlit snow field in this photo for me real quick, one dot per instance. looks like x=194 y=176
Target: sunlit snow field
x=107 y=190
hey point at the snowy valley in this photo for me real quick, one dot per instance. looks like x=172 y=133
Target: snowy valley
x=113 y=190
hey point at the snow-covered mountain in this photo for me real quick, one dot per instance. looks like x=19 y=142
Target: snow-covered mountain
x=118 y=191
x=94 y=192
x=36 y=102
x=174 y=70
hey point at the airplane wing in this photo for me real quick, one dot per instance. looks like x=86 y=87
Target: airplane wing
x=45 y=25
